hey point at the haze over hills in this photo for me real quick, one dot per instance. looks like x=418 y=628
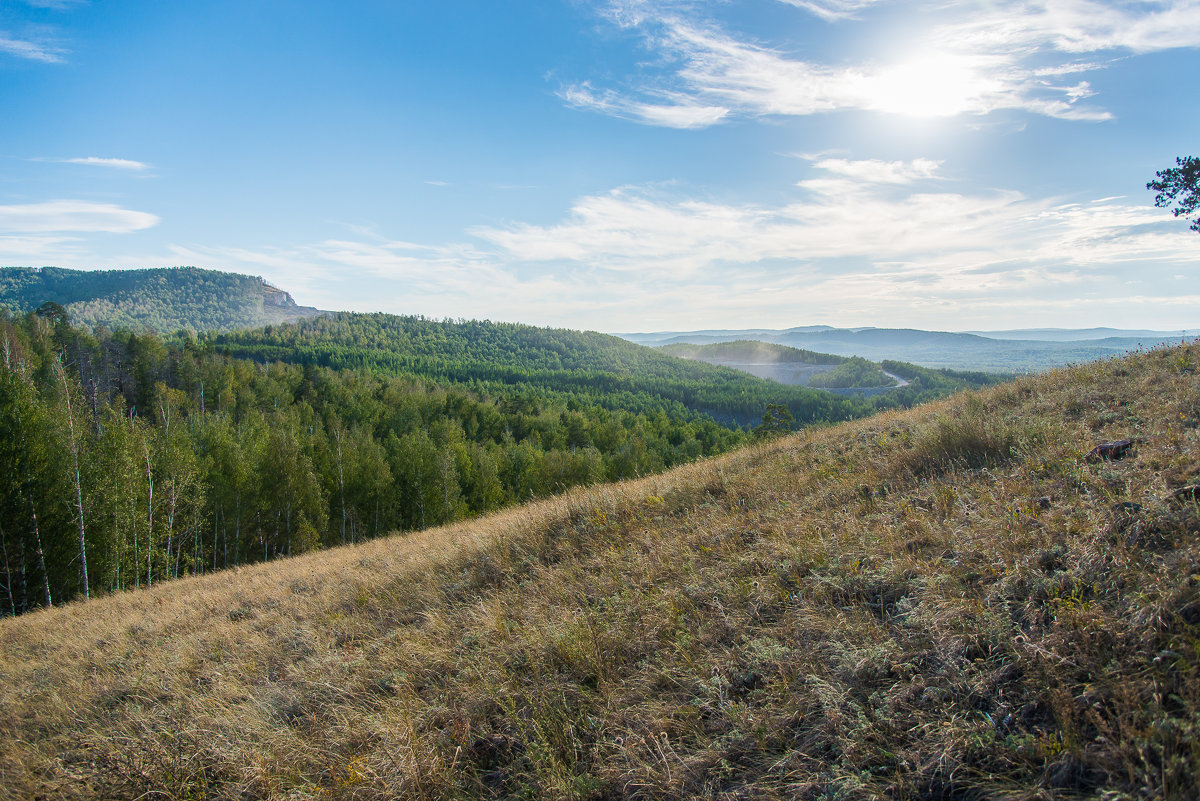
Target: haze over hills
x=959 y=351
x=162 y=300
x=1083 y=334
x=954 y=601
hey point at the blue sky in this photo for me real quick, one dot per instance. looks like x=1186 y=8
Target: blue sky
x=618 y=166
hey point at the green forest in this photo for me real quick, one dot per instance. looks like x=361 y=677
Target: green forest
x=558 y=363
x=128 y=460
x=743 y=350
x=853 y=372
x=132 y=458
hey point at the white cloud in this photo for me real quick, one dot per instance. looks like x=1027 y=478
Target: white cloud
x=30 y=49
x=120 y=164
x=975 y=58
x=40 y=249
x=859 y=242
x=861 y=219
x=832 y=10
x=56 y=5
x=681 y=113
x=380 y=274
x=73 y=215
x=886 y=172
x=1078 y=26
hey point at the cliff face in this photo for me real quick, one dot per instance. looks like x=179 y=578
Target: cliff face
x=162 y=300
x=274 y=296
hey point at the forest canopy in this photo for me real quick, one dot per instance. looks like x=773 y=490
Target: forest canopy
x=127 y=459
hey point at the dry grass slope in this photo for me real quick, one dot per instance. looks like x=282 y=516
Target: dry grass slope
x=949 y=602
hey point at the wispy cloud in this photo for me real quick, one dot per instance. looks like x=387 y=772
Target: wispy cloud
x=832 y=10
x=974 y=59
x=856 y=216
x=73 y=216
x=57 y=5
x=400 y=277
x=120 y=164
x=1077 y=26
x=885 y=172
x=677 y=112
x=859 y=242
x=31 y=48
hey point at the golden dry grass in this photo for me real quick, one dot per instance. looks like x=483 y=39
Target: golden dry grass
x=947 y=602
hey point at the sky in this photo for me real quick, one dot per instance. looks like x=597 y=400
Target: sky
x=621 y=166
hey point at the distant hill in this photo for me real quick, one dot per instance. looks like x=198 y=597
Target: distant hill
x=845 y=375
x=1083 y=334
x=503 y=357
x=943 y=349
x=162 y=300
x=951 y=602
x=750 y=351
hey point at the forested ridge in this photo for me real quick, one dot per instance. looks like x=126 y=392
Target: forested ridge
x=162 y=300
x=488 y=356
x=749 y=350
x=147 y=461
x=925 y=383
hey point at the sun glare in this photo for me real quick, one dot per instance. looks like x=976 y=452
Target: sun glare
x=937 y=85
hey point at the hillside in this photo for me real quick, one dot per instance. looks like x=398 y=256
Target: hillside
x=750 y=351
x=503 y=357
x=890 y=384
x=947 y=602
x=1004 y=352
x=786 y=365
x=129 y=458
x=162 y=300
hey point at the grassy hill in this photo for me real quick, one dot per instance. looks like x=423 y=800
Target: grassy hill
x=163 y=300
x=947 y=602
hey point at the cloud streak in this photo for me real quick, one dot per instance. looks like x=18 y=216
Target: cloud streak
x=30 y=49
x=119 y=164
x=73 y=216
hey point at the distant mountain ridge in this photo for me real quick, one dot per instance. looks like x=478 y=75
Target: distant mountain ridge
x=998 y=351
x=1082 y=334
x=163 y=299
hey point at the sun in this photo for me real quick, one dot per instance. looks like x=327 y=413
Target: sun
x=932 y=85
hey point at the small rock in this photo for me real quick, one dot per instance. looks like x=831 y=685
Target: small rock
x=1042 y=502
x=1110 y=451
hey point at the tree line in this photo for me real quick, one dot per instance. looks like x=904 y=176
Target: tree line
x=499 y=357
x=127 y=460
